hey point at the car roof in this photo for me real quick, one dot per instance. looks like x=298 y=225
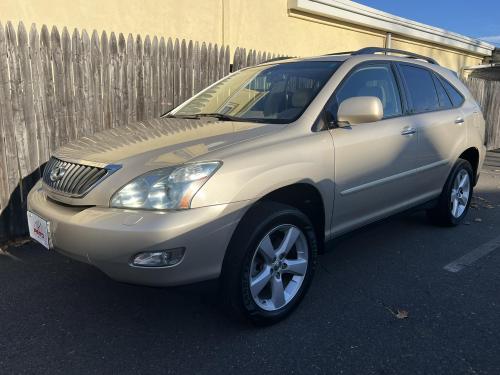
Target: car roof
x=358 y=58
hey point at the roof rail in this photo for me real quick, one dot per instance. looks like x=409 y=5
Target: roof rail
x=411 y=55
x=341 y=53
x=276 y=59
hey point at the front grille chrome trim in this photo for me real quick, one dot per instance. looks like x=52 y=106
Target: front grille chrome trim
x=80 y=177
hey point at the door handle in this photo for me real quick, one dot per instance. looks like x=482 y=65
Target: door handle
x=408 y=131
x=459 y=120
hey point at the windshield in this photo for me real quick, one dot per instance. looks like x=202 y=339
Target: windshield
x=277 y=93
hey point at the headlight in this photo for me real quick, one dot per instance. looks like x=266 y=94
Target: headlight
x=163 y=189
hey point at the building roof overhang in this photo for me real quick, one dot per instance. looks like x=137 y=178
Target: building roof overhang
x=358 y=14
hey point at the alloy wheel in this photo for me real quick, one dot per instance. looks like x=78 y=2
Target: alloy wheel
x=278 y=267
x=460 y=193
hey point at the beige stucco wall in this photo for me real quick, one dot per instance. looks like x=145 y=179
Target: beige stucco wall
x=265 y=25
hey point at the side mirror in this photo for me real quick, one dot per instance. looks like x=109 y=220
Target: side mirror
x=359 y=110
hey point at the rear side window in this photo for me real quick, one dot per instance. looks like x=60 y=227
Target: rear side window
x=456 y=98
x=422 y=92
x=372 y=80
x=444 y=99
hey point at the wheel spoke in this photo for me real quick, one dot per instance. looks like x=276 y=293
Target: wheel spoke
x=259 y=281
x=295 y=266
x=453 y=195
x=277 y=292
x=454 y=209
x=463 y=180
x=267 y=249
x=290 y=238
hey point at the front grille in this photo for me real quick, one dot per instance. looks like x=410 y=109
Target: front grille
x=76 y=180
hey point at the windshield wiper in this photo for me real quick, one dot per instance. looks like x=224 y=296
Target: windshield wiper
x=218 y=116
x=194 y=117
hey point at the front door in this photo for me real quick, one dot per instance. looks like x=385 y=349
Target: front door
x=374 y=162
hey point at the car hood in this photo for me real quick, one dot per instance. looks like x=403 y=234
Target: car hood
x=164 y=141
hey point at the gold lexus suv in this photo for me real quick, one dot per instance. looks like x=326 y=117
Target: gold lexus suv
x=247 y=180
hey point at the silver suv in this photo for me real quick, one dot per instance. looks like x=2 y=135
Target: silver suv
x=247 y=180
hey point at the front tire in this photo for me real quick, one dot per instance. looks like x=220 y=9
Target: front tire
x=454 y=201
x=270 y=263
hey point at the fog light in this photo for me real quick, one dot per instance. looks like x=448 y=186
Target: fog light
x=159 y=258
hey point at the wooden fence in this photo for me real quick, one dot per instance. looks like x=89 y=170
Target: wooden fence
x=487 y=94
x=56 y=86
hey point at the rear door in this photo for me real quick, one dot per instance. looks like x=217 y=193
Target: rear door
x=440 y=125
x=373 y=161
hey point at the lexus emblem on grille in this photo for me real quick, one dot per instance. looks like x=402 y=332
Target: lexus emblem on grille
x=57 y=173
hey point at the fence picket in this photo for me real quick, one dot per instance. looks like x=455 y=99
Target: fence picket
x=162 y=76
x=114 y=81
x=123 y=84
x=196 y=69
x=189 y=70
x=155 y=95
x=39 y=98
x=227 y=61
x=87 y=99
x=204 y=65
x=69 y=94
x=58 y=74
x=76 y=90
x=28 y=107
x=211 y=63
x=177 y=73
x=170 y=75
x=96 y=81
x=106 y=88
x=46 y=59
x=16 y=98
x=243 y=58
x=139 y=79
x=215 y=63
x=10 y=173
x=131 y=88
x=147 y=77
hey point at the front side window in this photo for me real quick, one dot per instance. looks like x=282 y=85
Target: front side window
x=422 y=92
x=372 y=80
x=277 y=93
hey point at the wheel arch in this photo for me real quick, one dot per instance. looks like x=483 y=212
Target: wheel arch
x=306 y=198
x=472 y=156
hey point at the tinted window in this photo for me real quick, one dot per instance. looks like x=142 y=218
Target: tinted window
x=422 y=92
x=373 y=80
x=444 y=99
x=277 y=93
x=456 y=98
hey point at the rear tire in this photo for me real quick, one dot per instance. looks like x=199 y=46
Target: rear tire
x=270 y=263
x=454 y=201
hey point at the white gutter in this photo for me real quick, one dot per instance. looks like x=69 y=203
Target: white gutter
x=355 y=13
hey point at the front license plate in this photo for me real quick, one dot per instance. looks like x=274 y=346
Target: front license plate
x=39 y=229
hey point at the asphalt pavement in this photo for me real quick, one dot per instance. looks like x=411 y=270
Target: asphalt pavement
x=382 y=302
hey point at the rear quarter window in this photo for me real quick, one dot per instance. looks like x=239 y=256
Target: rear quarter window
x=456 y=98
x=444 y=99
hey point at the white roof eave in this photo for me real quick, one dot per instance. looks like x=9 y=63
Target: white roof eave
x=355 y=13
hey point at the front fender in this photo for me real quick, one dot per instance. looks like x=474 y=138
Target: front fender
x=255 y=173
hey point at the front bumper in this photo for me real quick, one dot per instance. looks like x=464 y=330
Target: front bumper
x=108 y=238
